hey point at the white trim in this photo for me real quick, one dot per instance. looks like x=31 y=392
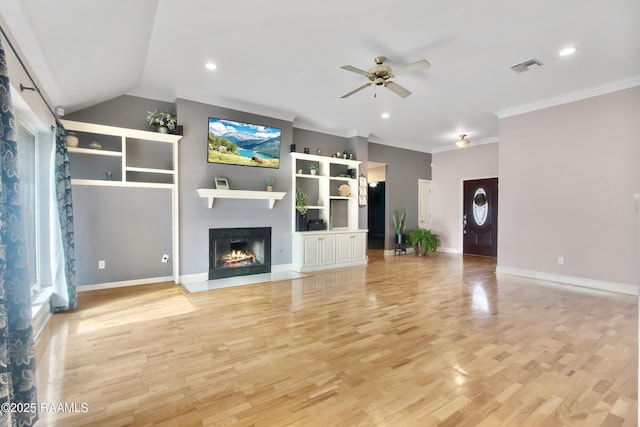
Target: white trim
x=122 y=132
x=452 y=147
x=105 y=183
x=620 y=288
x=125 y=283
x=571 y=97
x=450 y=250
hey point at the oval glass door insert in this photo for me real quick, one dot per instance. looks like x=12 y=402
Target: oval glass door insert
x=480 y=206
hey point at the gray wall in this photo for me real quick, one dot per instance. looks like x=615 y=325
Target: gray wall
x=404 y=168
x=122 y=224
x=128 y=228
x=196 y=219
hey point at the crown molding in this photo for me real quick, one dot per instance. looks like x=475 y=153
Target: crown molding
x=484 y=141
x=246 y=107
x=571 y=97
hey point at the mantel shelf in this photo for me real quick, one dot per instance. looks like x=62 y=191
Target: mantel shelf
x=211 y=194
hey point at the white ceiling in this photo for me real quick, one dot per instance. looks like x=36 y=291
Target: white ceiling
x=282 y=58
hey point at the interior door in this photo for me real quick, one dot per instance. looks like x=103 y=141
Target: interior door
x=480 y=217
x=424 y=204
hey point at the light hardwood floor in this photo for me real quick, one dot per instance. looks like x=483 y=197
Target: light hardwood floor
x=436 y=341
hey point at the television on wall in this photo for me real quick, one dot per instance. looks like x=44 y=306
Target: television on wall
x=244 y=144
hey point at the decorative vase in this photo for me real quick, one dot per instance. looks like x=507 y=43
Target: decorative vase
x=301 y=222
x=163 y=129
x=72 y=140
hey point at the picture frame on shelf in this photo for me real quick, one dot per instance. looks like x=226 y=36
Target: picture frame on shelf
x=221 y=183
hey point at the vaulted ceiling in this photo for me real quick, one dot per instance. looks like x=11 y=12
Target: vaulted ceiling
x=282 y=58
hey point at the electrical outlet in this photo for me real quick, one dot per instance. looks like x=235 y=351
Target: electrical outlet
x=102 y=265
x=560 y=260
x=165 y=258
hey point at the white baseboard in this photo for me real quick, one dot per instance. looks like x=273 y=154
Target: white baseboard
x=203 y=277
x=620 y=288
x=450 y=250
x=389 y=252
x=111 y=285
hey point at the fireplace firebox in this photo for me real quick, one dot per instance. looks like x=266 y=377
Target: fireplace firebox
x=239 y=251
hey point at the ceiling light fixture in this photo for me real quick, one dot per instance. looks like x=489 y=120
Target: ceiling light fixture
x=385 y=115
x=210 y=66
x=569 y=50
x=463 y=143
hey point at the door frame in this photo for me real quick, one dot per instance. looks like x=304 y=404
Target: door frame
x=461 y=207
x=429 y=196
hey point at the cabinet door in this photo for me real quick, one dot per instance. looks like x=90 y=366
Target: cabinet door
x=359 y=247
x=343 y=248
x=327 y=249
x=310 y=251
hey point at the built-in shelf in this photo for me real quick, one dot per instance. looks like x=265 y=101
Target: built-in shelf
x=211 y=194
x=94 y=151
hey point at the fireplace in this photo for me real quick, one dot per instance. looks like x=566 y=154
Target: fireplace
x=239 y=251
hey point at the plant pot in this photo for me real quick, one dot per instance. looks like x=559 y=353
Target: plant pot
x=313 y=171
x=163 y=129
x=401 y=239
x=417 y=250
x=269 y=187
x=301 y=222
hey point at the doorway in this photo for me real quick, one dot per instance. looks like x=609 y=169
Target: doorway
x=480 y=217
x=376 y=175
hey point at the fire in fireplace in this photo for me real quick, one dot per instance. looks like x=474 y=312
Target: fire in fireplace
x=239 y=251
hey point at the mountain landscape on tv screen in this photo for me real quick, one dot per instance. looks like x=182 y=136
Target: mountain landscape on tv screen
x=243 y=144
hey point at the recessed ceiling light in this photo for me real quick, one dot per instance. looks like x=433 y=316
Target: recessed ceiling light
x=210 y=66
x=569 y=50
x=385 y=115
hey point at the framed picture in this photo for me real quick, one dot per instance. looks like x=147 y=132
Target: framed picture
x=362 y=200
x=221 y=183
x=362 y=181
x=362 y=191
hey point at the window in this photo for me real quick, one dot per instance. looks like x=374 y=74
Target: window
x=27 y=164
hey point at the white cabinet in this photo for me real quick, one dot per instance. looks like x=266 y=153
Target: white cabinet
x=326 y=249
x=351 y=248
x=332 y=197
x=317 y=250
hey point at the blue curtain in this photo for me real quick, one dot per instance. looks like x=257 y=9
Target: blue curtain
x=17 y=358
x=63 y=257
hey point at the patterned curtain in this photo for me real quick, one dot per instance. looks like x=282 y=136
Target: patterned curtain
x=63 y=253
x=17 y=358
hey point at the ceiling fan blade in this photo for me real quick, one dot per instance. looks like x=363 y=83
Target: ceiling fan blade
x=355 y=70
x=356 y=90
x=397 y=89
x=416 y=66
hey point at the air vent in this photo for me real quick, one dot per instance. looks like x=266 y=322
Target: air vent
x=524 y=66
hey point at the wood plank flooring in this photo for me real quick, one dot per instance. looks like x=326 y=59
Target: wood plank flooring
x=406 y=341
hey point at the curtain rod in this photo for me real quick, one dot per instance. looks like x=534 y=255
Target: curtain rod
x=35 y=87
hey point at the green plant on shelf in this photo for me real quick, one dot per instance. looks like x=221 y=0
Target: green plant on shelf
x=301 y=201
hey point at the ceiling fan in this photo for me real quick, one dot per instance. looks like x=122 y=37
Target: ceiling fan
x=381 y=74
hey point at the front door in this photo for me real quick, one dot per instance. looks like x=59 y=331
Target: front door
x=480 y=217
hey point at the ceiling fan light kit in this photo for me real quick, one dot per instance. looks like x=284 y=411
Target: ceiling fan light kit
x=381 y=74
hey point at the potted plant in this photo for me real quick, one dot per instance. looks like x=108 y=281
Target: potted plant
x=313 y=168
x=163 y=122
x=301 y=210
x=270 y=184
x=399 y=224
x=424 y=241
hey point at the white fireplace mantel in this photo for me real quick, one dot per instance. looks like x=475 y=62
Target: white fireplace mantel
x=211 y=194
